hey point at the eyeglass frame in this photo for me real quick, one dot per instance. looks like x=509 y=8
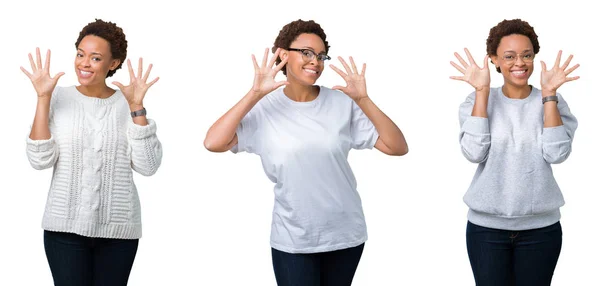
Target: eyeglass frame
x=517 y=56
x=310 y=58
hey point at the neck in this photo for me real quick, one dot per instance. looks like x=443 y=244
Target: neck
x=516 y=92
x=98 y=90
x=301 y=93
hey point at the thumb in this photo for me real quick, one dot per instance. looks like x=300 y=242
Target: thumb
x=118 y=84
x=57 y=77
x=486 y=62
x=543 y=66
x=339 y=87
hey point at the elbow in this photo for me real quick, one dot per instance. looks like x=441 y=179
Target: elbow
x=42 y=164
x=476 y=158
x=400 y=151
x=556 y=159
x=38 y=166
x=212 y=147
x=147 y=172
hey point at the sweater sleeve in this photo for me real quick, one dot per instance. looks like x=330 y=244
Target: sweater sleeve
x=146 y=150
x=42 y=154
x=475 y=139
x=556 y=141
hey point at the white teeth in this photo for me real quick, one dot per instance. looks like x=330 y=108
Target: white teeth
x=518 y=72
x=85 y=73
x=310 y=71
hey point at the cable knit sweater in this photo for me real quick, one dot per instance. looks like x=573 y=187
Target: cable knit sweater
x=94 y=146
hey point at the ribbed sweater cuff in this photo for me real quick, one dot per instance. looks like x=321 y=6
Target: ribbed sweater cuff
x=476 y=125
x=40 y=145
x=555 y=134
x=141 y=132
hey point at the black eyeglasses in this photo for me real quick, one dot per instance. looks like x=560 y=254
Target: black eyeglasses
x=309 y=55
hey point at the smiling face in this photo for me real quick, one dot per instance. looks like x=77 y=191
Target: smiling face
x=300 y=70
x=94 y=60
x=515 y=59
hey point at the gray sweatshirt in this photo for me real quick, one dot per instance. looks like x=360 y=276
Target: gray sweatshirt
x=513 y=187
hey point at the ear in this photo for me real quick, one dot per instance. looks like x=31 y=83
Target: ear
x=494 y=60
x=283 y=54
x=114 y=64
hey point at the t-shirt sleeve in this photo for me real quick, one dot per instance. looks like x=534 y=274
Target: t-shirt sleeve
x=363 y=132
x=246 y=131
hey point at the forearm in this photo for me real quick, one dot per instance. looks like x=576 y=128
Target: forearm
x=40 y=129
x=389 y=133
x=551 y=113
x=222 y=132
x=481 y=103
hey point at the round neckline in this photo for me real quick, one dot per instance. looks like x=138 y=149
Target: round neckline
x=95 y=100
x=529 y=97
x=303 y=103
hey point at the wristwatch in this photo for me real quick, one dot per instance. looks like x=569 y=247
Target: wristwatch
x=137 y=113
x=550 y=98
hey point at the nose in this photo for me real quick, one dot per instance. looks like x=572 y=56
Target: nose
x=84 y=61
x=519 y=61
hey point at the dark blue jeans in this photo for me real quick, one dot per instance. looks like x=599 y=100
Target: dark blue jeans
x=77 y=260
x=513 y=258
x=334 y=268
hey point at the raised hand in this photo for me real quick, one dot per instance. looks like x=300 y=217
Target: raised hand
x=552 y=79
x=40 y=77
x=356 y=85
x=477 y=77
x=138 y=85
x=264 y=75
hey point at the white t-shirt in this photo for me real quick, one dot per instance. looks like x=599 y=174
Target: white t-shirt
x=304 y=150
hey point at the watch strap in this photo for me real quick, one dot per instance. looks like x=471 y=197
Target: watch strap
x=550 y=98
x=137 y=113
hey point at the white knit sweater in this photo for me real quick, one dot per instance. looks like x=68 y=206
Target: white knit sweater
x=94 y=145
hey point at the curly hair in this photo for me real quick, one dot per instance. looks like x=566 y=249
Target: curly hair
x=290 y=33
x=113 y=34
x=507 y=28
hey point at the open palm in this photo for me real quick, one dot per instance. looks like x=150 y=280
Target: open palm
x=138 y=85
x=477 y=77
x=356 y=85
x=40 y=77
x=264 y=75
x=552 y=79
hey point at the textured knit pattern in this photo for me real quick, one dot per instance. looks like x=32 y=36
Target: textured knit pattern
x=93 y=148
x=513 y=187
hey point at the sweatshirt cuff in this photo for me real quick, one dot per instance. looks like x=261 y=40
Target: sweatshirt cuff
x=40 y=145
x=476 y=125
x=141 y=132
x=555 y=134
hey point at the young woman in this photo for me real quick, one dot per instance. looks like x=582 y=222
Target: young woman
x=93 y=136
x=514 y=132
x=303 y=133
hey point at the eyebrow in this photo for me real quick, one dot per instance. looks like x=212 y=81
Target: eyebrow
x=511 y=51
x=94 y=53
x=310 y=48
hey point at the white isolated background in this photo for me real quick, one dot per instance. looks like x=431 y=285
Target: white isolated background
x=207 y=216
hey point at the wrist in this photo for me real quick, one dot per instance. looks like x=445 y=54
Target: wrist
x=255 y=95
x=136 y=107
x=362 y=99
x=548 y=92
x=482 y=88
